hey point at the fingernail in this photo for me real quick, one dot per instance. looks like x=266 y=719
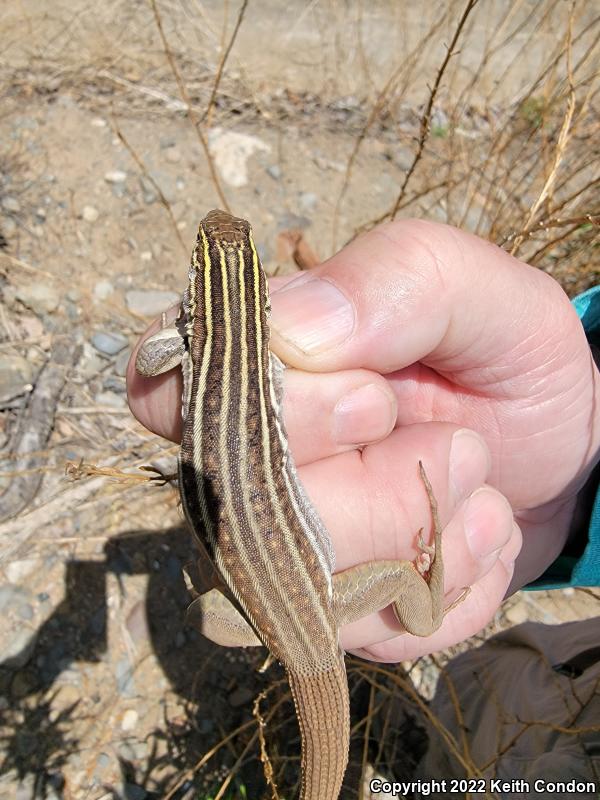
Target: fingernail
x=469 y=462
x=312 y=314
x=488 y=522
x=364 y=415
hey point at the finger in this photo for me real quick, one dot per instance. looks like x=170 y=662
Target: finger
x=329 y=413
x=156 y=402
x=415 y=290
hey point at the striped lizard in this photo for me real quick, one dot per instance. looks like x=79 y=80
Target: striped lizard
x=275 y=583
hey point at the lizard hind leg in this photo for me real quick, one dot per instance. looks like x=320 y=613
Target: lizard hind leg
x=415 y=591
x=219 y=620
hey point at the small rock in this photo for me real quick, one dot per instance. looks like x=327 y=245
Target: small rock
x=148 y=191
x=240 y=696
x=137 y=624
x=110 y=399
x=517 y=613
x=11 y=204
x=172 y=155
x=114 y=383
x=146 y=255
x=131 y=791
x=231 y=151
x=90 y=214
x=39 y=297
x=40 y=214
x=167 y=185
x=16 y=375
x=151 y=302
x=274 y=171
x=98 y=122
x=26 y=611
x=91 y=362
x=18 y=647
x=308 y=202
x=16 y=571
x=129 y=720
x=9 y=226
x=103 y=289
x=121 y=363
x=124 y=677
x=109 y=343
x=68 y=695
x=115 y=176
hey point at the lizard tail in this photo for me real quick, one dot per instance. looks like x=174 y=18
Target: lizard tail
x=323 y=711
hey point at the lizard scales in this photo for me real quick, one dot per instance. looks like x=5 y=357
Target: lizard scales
x=251 y=516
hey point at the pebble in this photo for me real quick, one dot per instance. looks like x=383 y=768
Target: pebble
x=167 y=184
x=115 y=176
x=118 y=189
x=148 y=191
x=9 y=226
x=114 y=383
x=91 y=362
x=110 y=399
x=137 y=624
x=288 y=220
x=68 y=695
x=517 y=613
x=16 y=375
x=16 y=571
x=308 y=201
x=90 y=214
x=11 y=204
x=150 y=302
x=173 y=155
x=240 y=696
x=26 y=611
x=103 y=289
x=122 y=360
x=134 y=792
x=124 y=677
x=231 y=151
x=109 y=343
x=18 y=647
x=11 y=597
x=274 y=171
x=39 y=297
x=146 y=255
x=129 y=720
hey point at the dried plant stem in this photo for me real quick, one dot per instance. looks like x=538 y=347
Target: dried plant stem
x=191 y=114
x=145 y=172
x=209 y=108
x=561 y=144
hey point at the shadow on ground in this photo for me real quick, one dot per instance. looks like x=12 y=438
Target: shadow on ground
x=36 y=742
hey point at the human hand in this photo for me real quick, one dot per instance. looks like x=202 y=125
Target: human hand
x=441 y=331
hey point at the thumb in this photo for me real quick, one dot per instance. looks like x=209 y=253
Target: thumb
x=414 y=291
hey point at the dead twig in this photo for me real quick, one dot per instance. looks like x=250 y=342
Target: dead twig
x=190 y=113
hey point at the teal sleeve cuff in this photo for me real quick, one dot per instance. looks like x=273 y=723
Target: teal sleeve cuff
x=583 y=570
